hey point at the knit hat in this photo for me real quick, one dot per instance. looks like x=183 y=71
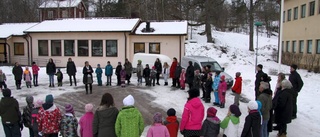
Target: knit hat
x=294 y=66
x=128 y=101
x=193 y=93
x=171 y=112
x=29 y=99
x=157 y=117
x=234 y=109
x=253 y=105
x=260 y=66
x=69 y=108
x=38 y=103
x=211 y=112
x=89 y=107
x=6 y=92
x=223 y=78
x=49 y=99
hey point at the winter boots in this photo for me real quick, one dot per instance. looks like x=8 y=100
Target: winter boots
x=18 y=86
x=222 y=105
x=166 y=83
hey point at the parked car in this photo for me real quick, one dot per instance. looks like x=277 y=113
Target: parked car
x=200 y=61
x=148 y=59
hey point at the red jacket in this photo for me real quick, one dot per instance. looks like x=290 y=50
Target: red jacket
x=173 y=125
x=35 y=69
x=173 y=69
x=237 y=87
x=49 y=120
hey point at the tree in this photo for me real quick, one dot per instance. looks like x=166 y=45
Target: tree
x=268 y=11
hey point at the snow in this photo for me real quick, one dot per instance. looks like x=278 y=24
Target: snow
x=60 y=3
x=162 y=28
x=10 y=29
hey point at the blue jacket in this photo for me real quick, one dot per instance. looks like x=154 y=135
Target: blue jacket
x=99 y=72
x=109 y=70
x=216 y=82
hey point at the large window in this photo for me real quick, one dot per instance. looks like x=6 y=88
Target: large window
x=65 y=14
x=55 y=47
x=154 y=48
x=69 y=47
x=284 y=16
x=112 y=48
x=318 y=46
x=83 y=48
x=139 y=48
x=295 y=13
x=18 y=48
x=312 y=5
x=43 y=48
x=50 y=14
x=294 y=46
x=309 y=49
x=287 y=46
x=97 y=48
x=289 y=15
x=303 y=11
x=301 y=46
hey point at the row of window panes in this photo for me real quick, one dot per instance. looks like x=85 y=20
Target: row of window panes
x=312 y=5
x=83 y=48
x=154 y=48
x=301 y=46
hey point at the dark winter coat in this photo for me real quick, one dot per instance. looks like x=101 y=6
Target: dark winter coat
x=51 y=68
x=173 y=69
x=190 y=74
x=146 y=72
x=252 y=125
x=86 y=74
x=128 y=67
x=17 y=72
x=158 y=66
x=197 y=81
x=118 y=69
x=210 y=127
x=296 y=81
x=9 y=110
x=59 y=76
x=71 y=68
x=258 y=80
x=208 y=85
x=104 y=122
x=204 y=76
x=283 y=106
x=266 y=100
x=178 y=71
x=26 y=116
x=34 y=116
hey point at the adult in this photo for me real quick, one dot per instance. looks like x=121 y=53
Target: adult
x=172 y=72
x=177 y=75
x=297 y=84
x=71 y=71
x=192 y=116
x=190 y=75
x=258 y=80
x=128 y=69
x=17 y=72
x=265 y=98
x=49 y=118
x=10 y=114
x=51 y=70
x=129 y=122
x=139 y=71
x=87 y=76
x=108 y=72
x=158 y=66
x=204 y=78
x=118 y=70
x=282 y=102
x=105 y=117
x=165 y=73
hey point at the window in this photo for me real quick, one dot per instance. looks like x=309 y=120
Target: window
x=83 y=48
x=294 y=46
x=301 y=46
x=309 y=49
x=284 y=16
x=80 y=14
x=287 y=46
x=112 y=48
x=65 y=14
x=303 y=11
x=295 y=13
x=55 y=47
x=139 y=48
x=43 y=47
x=282 y=46
x=97 y=49
x=18 y=48
x=69 y=47
x=318 y=46
x=289 y=15
x=312 y=8
x=154 y=48
x=50 y=14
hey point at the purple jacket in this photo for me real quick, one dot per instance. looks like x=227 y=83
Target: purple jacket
x=158 y=130
x=192 y=115
x=86 y=125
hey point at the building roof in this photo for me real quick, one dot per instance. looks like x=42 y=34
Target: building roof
x=164 y=28
x=60 y=3
x=14 y=29
x=86 y=25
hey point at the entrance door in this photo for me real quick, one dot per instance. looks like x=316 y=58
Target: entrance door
x=3 y=53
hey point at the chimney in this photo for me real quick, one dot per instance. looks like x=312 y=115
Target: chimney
x=148 y=29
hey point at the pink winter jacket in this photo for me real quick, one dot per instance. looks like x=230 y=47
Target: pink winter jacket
x=158 y=130
x=192 y=115
x=86 y=125
x=35 y=69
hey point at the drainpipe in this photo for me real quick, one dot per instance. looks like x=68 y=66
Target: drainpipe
x=125 y=45
x=180 y=47
x=31 y=52
x=28 y=49
x=5 y=52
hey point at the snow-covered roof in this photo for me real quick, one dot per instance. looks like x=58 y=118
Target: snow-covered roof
x=164 y=28
x=9 y=29
x=60 y=3
x=85 y=25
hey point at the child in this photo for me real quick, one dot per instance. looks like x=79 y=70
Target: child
x=139 y=72
x=252 y=124
x=123 y=77
x=208 y=88
x=108 y=73
x=34 y=116
x=197 y=79
x=3 y=80
x=211 y=126
x=35 y=71
x=222 y=91
x=69 y=123
x=157 y=129
x=215 y=85
x=146 y=75
x=182 y=79
x=172 y=123
x=237 y=88
x=27 y=77
x=153 y=73
x=26 y=116
x=86 y=122
x=165 y=73
x=230 y=124
x=99 y=74
x=59 y=77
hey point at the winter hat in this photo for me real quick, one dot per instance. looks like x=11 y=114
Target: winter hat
x=49 y=99
x=98 y=65
x=193 y=93
x=128 y=101
x=171 y=112
x=234 y=109
x=294 y=66
x=29 y=99
x=260 y=66
x=211 y=112
x=157 y=117
x=69 y=108
x=253 y=105
x=38 y=103
x=6 y=92
x=89 y=107
x=223 y=78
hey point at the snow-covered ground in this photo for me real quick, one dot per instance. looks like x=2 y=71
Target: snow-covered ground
x=237 y=59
